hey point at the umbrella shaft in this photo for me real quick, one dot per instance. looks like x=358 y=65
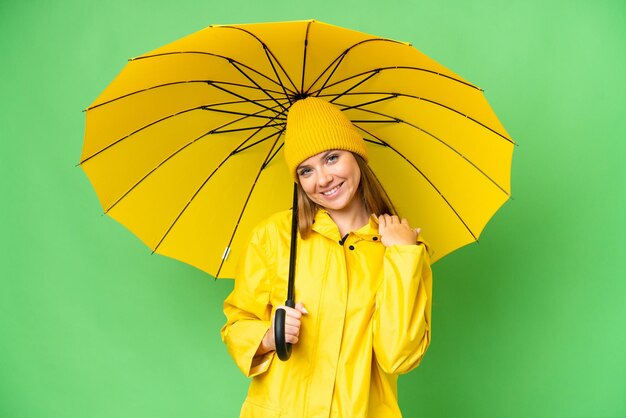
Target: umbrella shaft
x=292 y=250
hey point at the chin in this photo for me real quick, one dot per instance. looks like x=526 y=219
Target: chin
x=334 y=206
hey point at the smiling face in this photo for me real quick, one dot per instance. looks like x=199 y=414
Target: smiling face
x=331 y=180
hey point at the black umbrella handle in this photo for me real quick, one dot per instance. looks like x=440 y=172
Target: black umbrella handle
x=283 y=348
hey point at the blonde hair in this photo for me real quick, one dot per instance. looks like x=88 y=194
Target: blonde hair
x=370 y=191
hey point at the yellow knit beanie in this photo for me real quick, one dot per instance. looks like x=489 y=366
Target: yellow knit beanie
x=315 y=125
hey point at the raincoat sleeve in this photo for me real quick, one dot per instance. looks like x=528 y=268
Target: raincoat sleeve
x=401 y=326
x=248 y=309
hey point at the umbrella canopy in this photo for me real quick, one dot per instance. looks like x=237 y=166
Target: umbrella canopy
x=184 y=147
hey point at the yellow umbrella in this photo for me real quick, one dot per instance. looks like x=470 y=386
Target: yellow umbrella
x=184 y=147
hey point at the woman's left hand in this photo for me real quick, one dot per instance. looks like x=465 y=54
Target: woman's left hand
x=394 y=231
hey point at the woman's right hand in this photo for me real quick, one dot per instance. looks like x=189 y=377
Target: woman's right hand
x=293 y=321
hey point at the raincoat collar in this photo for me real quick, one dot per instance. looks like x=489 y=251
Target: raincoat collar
x=324 y=225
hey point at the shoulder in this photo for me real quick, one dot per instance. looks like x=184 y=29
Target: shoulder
x=273 y=228
x=268 y=238
x=278 y=220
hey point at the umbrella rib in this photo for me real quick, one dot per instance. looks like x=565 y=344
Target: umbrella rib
x=203 y=107
x=371 y=141
x=462 y=114
x=245 y=205
x=384 y=143
x=269 y=59
x=231 y=60
x=180 y=214
x=137 y=131
x=256 y=102
x=271 y=158
x=353 y=87
x=305 y=50
x=277 y=150
x=230 y=112
x=240 y=149
x=381 y=69
x=149 y=173
x=266 y=48
x=204 y=183
x=249 y=128
x=257 y=85
x=360 y=105
x=336 y=62
x=274 y=59
x=280 y=132
x=280 y=124
x=172 y=156
x=358 y=123
x=212 y=83
x=279 y=116
x=456 y=152
x=427 y=101
x=339 y=59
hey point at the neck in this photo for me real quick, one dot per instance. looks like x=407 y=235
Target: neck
x=349 y=219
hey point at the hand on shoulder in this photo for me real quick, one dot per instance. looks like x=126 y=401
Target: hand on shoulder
x=396 y=231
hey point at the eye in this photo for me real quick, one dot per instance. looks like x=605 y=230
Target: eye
x=304 y=172
x=332 y=158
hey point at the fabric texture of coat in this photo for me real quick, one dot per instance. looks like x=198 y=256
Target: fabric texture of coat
x=369 y=320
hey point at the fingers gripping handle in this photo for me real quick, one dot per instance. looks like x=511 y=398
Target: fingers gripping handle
x=283 y=348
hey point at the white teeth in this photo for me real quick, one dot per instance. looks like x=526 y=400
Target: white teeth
x=331 y=191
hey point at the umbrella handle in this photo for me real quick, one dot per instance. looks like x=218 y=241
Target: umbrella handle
x=283 y=348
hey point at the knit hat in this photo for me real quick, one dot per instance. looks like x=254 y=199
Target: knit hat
x=315 y=125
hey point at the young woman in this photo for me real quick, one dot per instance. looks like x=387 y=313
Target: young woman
x=363 y=282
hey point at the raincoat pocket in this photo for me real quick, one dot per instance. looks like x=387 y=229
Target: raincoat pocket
x=251 y=409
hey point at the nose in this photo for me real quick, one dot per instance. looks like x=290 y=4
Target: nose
x=324 y=178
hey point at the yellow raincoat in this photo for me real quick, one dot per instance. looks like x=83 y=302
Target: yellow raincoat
x=369 y=320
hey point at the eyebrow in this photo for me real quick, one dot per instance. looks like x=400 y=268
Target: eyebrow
x=326 y=154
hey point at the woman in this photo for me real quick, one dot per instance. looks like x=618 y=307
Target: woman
x=363 y=282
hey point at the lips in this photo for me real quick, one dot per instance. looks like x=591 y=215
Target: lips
x=333 y=191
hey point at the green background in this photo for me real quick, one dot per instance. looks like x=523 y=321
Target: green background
x=531 y=322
